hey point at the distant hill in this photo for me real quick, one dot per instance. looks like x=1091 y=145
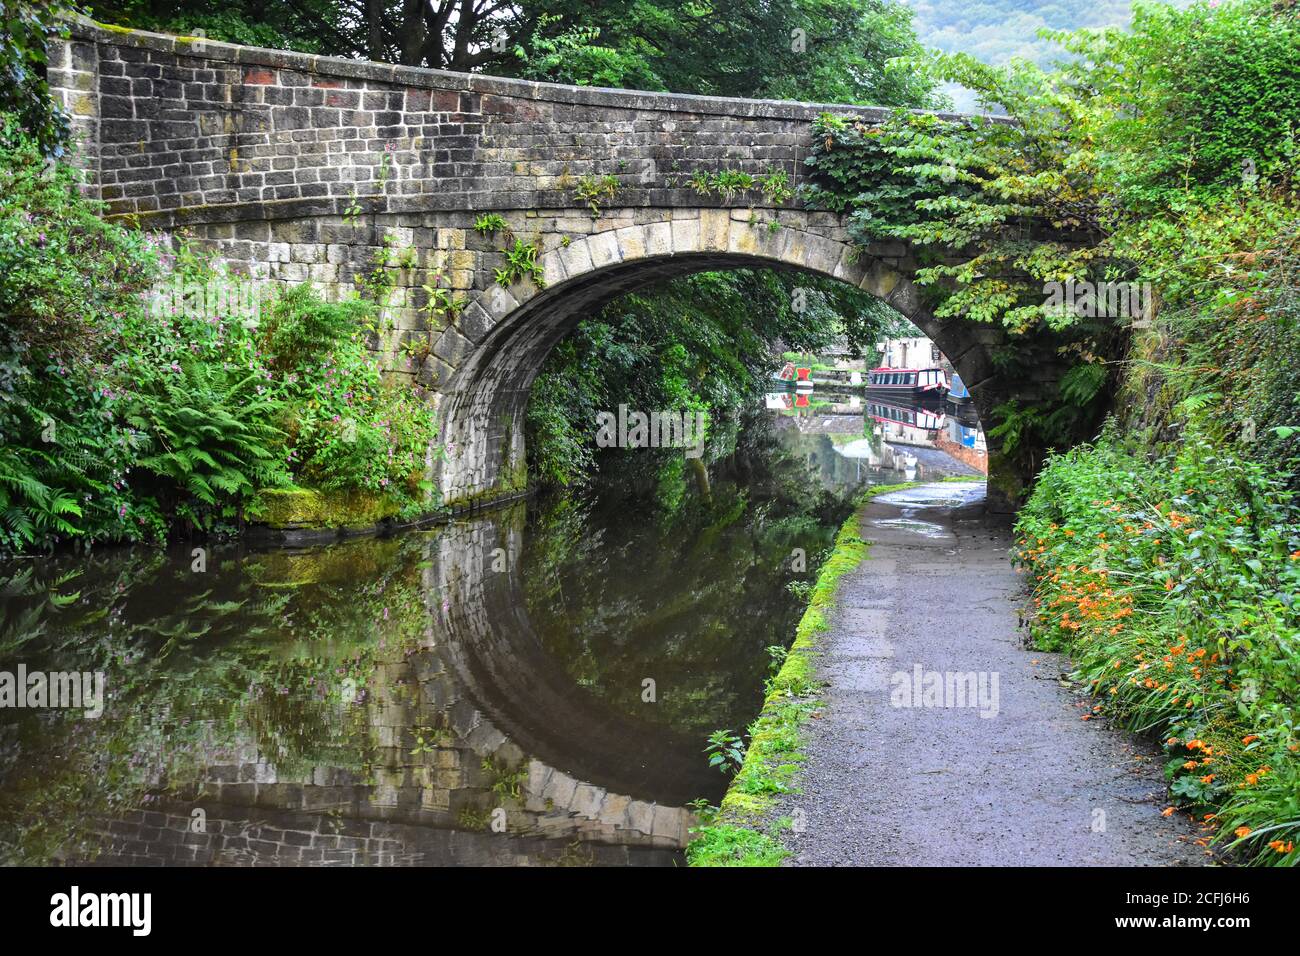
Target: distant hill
x=997 y=30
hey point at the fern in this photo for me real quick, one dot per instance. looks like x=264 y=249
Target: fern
x=213 y=436
x=1082 y=383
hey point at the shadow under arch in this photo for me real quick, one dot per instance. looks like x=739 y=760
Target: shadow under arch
x=485 y=400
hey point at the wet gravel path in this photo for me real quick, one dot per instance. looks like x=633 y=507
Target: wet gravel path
x=888 y=784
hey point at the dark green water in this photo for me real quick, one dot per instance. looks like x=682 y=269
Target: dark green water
x=532 y=685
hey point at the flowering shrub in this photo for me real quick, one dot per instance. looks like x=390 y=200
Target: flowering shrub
x=1173 y=586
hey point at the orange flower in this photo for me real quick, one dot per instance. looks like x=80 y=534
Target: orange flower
x=1249 y=737
x=1208 y=778
x=1242 y=832
x=1281 y=847
x=1167 y=811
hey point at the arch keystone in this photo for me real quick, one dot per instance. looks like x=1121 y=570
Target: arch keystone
x=823 y=255
x=849 y=268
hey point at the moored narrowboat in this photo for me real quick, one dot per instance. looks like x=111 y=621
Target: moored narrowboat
x=908 y=381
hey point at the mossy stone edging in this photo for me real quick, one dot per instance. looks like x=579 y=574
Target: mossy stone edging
x=746 y=831
x=308 y=515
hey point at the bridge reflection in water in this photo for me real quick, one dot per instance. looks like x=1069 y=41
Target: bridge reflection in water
x=531 y=685
x=475 y=718
x=470 y=694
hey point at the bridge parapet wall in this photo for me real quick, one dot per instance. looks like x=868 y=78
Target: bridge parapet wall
x=184 y=130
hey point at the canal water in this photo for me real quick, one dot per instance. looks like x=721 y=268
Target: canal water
x=532 y=685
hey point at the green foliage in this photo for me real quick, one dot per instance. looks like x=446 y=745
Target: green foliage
x=836 y=51
x=441 y=304
x=701 y=343
x=726 y=751
x=26 y=30
x=304 y=26
x=211 y=439
x=576 y=56
x=977 y=186
x=346 y=425
x=506 y=783
x=1218 y=89
x=127 y=417
x=729 y=183
x=301 y=327
x=1117 y=167
x=563 y=403
x=728 y=845
x=592 y=191
x=1205 y=200
x=521 y=263
x=490 y=223
x=999 y=214
x=1172 y=584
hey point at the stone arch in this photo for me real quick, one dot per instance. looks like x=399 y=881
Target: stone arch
x=483 y=401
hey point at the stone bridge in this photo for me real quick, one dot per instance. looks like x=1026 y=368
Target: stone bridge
x=295 y=167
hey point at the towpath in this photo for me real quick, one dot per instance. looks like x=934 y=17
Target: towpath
x=896 y=777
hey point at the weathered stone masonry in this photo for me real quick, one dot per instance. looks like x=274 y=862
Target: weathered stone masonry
x=296 y=168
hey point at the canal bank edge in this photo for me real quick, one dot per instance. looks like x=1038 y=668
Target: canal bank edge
x=746 y=830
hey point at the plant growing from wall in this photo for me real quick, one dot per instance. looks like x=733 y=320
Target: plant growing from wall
x=592 y=191
x=775 y=187
x=441 y=302
x=490 y=223
x=521 y=263
x=352 y=211
x=505 y=782
x=727 y=184
x=417 y=350
x=385 y=173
